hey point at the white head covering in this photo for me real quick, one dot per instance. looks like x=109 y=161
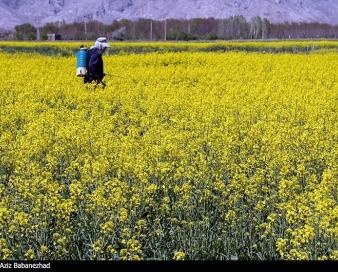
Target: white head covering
x=101 y=43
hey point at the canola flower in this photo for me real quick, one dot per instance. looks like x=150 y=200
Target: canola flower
x=207 y=156
x=66 y=48
x=254 y=43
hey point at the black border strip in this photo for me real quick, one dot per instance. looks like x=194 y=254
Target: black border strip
x=172 y=266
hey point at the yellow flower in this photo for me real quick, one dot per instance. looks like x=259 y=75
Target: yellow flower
x=43 y=249
x=30 y=255
x=107 y=227
x=123 y=215
x=4 y=214
x=179 y=256
x=281 y=246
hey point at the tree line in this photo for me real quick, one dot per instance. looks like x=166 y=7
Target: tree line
x=235 y=27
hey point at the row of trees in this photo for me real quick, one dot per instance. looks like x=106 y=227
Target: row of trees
x=235 y=27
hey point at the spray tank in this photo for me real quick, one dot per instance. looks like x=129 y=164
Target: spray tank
x=81 y=65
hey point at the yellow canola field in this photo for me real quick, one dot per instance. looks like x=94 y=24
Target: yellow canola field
x=193 y=156
x=191 y=46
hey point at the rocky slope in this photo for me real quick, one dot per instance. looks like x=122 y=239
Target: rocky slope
x=41 y=11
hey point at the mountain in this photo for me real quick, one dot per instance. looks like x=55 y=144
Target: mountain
x=8 y=18
x=14 y=12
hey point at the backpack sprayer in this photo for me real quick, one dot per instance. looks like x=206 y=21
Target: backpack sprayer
x=81 y=64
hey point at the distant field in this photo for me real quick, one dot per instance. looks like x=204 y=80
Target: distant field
x=68 y=48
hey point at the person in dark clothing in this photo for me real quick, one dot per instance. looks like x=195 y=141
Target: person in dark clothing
x=95 y=62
